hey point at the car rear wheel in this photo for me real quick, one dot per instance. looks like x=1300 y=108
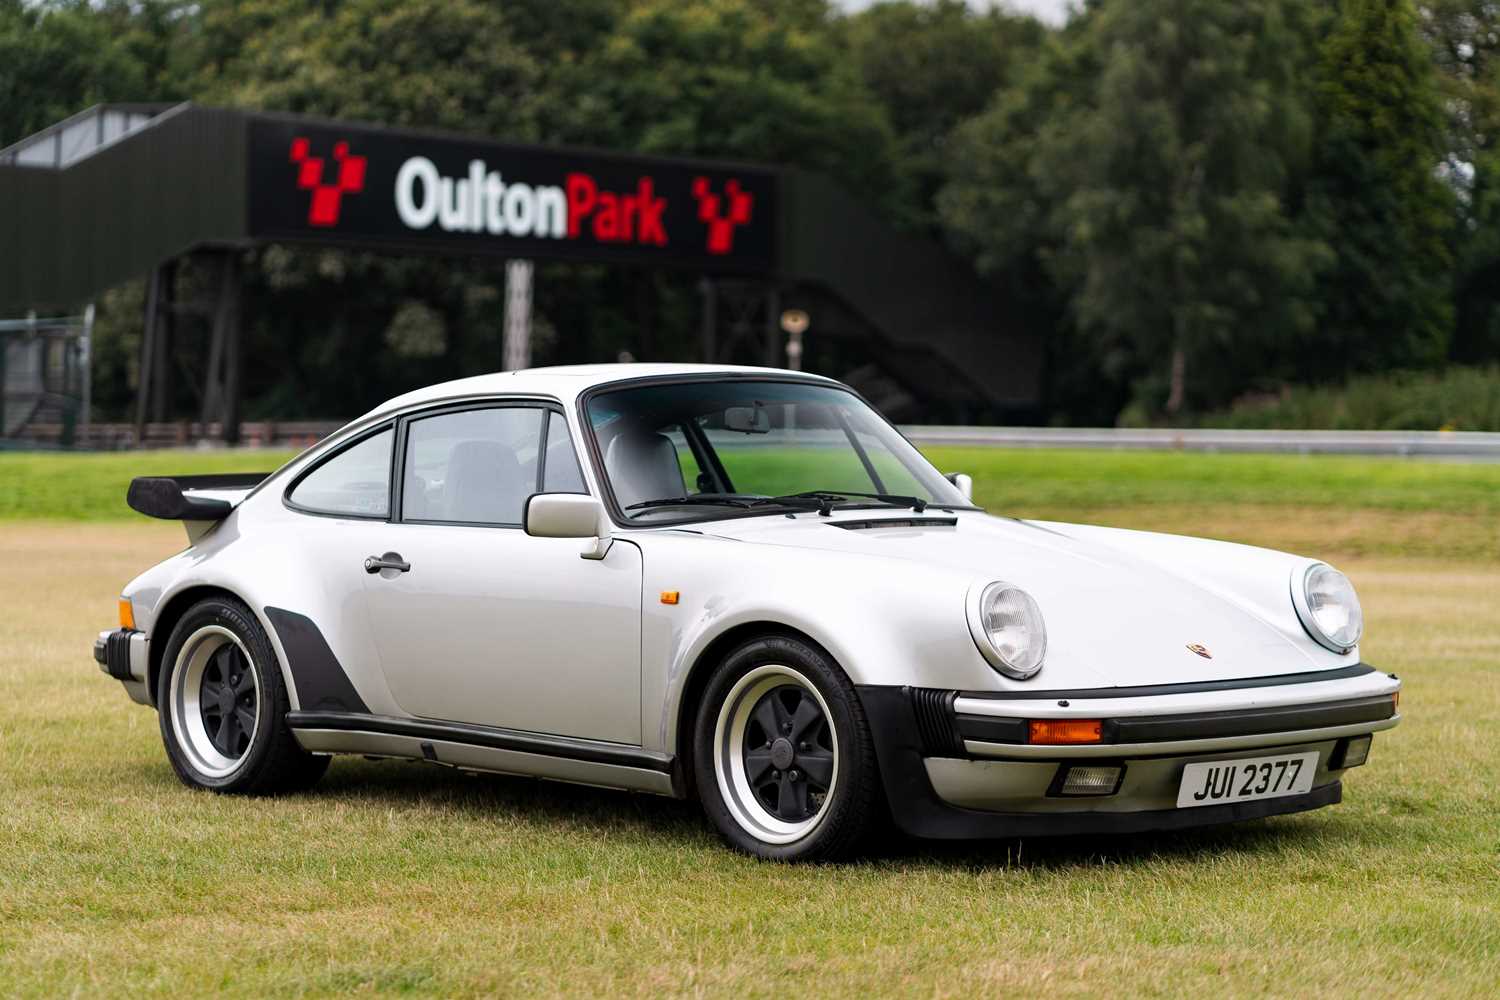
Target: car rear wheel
x=783 y=759
x=223 y=704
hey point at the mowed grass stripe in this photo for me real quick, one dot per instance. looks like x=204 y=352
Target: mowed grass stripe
x=393 y=878
x=86 y=486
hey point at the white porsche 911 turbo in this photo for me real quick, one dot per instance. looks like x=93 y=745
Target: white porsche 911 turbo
x=741 y=585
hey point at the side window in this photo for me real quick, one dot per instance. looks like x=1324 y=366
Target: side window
x=473 y=466
x=561 y=474
x=356 y=481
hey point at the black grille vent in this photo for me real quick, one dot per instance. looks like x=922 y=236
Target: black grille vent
x=934 y=709
x=865 y=524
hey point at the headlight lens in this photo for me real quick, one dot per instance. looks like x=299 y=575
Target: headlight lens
x=1329 y=607
x=1007 y=625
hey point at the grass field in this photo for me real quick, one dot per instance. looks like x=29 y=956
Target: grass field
x=407 y=879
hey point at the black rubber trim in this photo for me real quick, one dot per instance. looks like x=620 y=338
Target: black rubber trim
x=1248 y=722
x=991 y=729
x=480 y=736
x=1201 y=725
x=322 y=684
x=113 y=653
x=934 y=708
x=1151 y=690
x=917 y=810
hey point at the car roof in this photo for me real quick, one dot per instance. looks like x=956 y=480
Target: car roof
x=565 y=382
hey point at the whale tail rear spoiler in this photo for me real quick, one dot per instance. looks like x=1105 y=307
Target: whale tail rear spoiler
x=197 y=501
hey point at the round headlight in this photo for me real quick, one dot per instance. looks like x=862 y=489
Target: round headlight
x=1008 y=628
x=1328 y=606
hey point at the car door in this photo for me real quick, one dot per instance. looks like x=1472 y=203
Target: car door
x=489 y=625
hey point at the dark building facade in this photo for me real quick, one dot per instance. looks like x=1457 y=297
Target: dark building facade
x=121 y=192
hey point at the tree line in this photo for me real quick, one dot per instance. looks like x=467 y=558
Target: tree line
x=1192 y=199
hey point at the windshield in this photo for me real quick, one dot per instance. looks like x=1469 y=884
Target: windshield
x=707 y=449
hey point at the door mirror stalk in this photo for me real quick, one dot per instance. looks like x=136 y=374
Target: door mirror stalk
x=569 y=515
x=964 y=483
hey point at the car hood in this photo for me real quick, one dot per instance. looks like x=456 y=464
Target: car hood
x=1122 y=608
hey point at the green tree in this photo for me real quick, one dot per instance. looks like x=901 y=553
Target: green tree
x=996 y=210
x=931 y=67
x=1158 y=184
x=754 y=79
x=1375 y=195
x=1465 y=39
x=60 y=56
x=453 y=65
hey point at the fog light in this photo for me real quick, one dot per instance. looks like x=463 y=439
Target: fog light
x=1356 y=750
x=1090 y=780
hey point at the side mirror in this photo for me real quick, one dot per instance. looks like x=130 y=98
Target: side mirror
x=964 y=483
x=568 y=515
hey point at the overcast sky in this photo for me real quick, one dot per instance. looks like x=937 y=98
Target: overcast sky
x=1051 y=11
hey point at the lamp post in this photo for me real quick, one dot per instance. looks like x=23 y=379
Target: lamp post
x=795 y=322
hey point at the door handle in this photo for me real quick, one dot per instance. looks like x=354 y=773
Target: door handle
x=391 y=560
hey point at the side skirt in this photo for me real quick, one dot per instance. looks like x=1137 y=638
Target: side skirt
x=480 y=748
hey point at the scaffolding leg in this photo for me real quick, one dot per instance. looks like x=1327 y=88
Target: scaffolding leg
x=221 y=381
x=148 y=356
x=709 y=333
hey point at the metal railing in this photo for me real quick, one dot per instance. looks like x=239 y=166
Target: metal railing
x=1466 y=445
x=81 y=135
x=1423 y=444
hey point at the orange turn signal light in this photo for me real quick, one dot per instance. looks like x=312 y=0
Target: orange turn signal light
x=127 y=614
x=669 y=597
x=1065 y=731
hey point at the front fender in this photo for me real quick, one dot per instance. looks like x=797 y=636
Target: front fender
x=899 y=624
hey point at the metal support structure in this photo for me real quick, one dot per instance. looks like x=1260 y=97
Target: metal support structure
x=221 y=380
x=517 y=344
x=86 y=362
x=708 y=345
x=147 y=366
x=747 y=311
x=233 y=345
x=165 y=338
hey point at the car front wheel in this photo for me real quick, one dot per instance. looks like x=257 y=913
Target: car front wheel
x=783 y=759
x=222 y=704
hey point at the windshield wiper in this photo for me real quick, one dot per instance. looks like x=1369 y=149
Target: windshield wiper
x=708 y=499
x=893 y=499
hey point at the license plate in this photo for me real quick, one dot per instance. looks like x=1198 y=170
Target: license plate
x=1216 y=782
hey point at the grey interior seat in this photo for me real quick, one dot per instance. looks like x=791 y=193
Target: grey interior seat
x=485 y=484
x=643 y=466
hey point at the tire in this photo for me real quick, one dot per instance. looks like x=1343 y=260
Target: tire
x=808 y=792
x=222 y=705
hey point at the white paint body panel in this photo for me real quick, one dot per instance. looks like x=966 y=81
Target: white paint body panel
x=499 y=628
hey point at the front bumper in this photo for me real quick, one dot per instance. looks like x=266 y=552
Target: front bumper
x=959 y=766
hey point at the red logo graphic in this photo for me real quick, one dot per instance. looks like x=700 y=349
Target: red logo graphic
x=324 y=210
x=720 y=217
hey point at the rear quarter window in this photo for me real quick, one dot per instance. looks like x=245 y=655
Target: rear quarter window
x=354 y=482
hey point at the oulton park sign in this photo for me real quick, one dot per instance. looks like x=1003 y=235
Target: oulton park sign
x=369 y=187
